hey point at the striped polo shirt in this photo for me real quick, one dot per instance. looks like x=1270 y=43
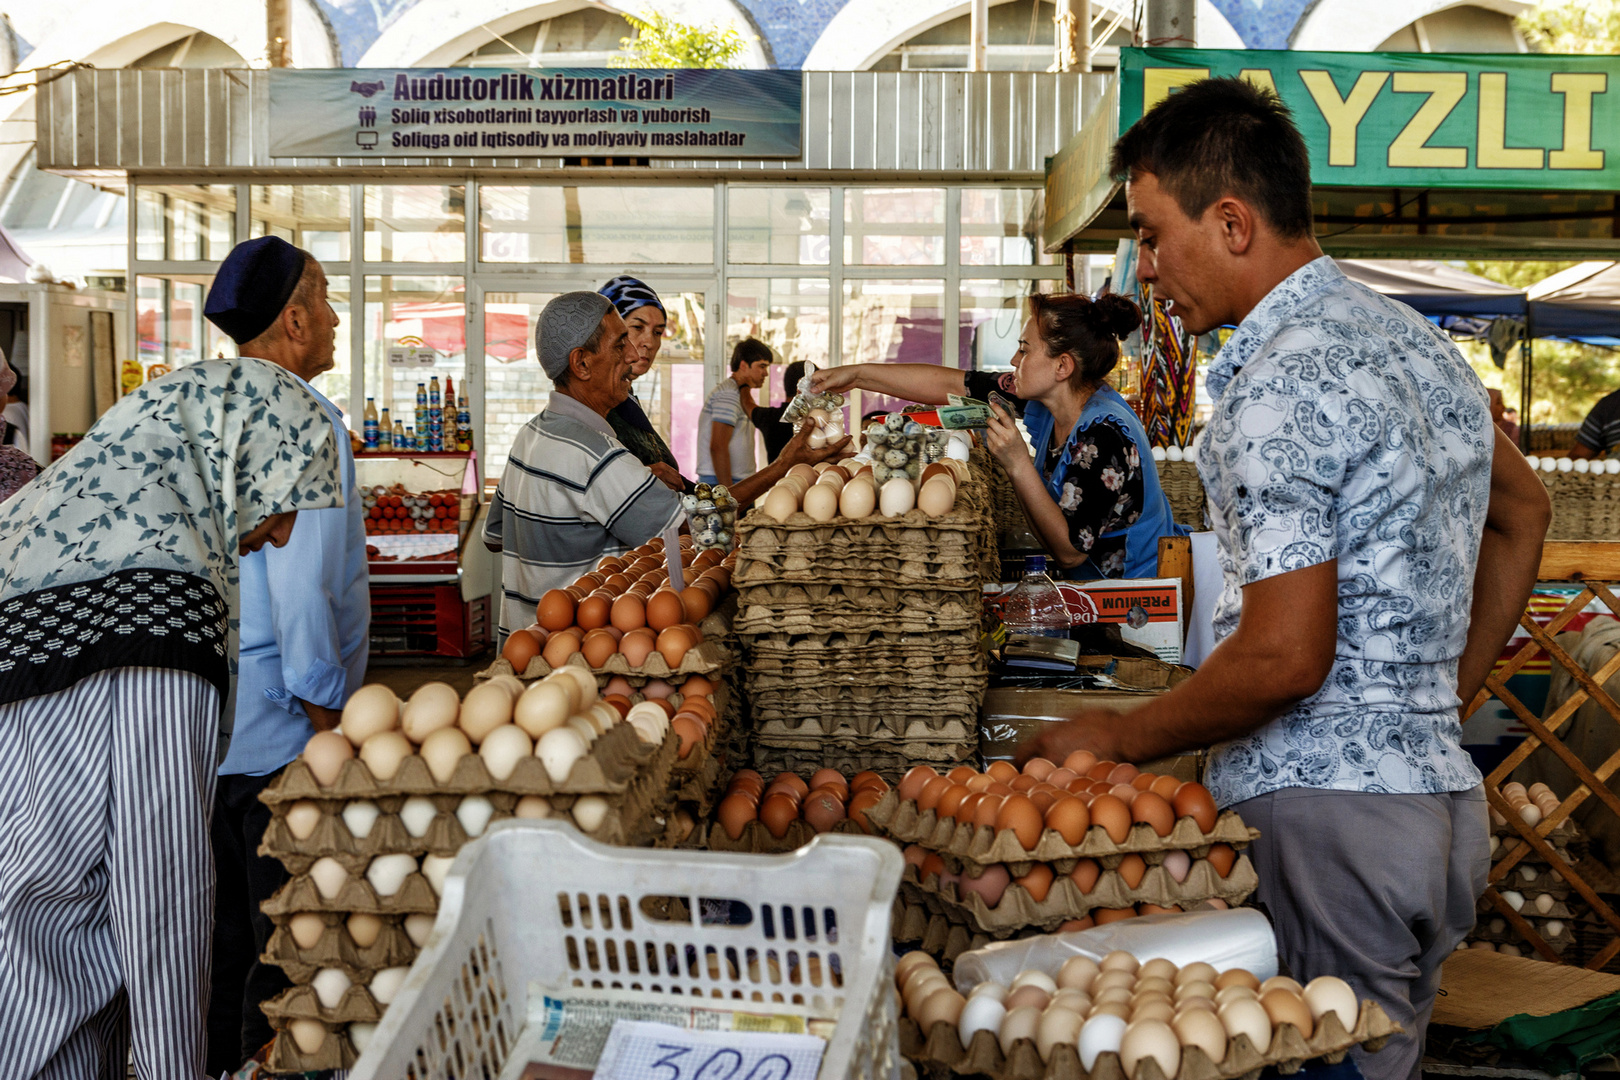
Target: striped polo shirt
x=1601 y=431
x=570 y=494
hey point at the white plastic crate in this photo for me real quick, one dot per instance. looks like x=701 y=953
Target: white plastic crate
x=537 y=901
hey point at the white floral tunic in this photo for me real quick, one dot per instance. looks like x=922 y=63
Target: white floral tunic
x=1348 y=427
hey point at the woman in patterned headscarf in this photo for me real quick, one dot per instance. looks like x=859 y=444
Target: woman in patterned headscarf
x=16 y=466
x=118 y=614
x=644 y=314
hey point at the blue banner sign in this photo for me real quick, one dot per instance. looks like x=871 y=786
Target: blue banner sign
x=545 y=112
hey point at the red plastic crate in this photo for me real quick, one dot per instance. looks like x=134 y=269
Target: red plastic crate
x=428 y=620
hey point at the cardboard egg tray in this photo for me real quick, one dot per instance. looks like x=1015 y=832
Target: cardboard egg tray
x=935 y=933
x=977 y=848
x=902 y=566
x=336 y=949
x=756 y=839
x=1018 y=911
x=855 y=669
x=388 y=835
x=299 y=1002
x=831 y=596
x=1559 y=910
x=336 y=1053
x=912 y=528
x=939 y=1053
x=911 y=618
x=709 y=658
x=1509 y=936
x=900 y=702
x=414 y=897
x=866 y=723
x=888 y=757
x=1544 y=882
x=609 y=767
x=768 y=652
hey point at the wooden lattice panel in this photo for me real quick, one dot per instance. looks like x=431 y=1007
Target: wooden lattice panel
x=1596 y=567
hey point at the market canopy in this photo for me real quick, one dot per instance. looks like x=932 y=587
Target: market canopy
x=1582 y=302
x=1412 y=154
x=1436 y=289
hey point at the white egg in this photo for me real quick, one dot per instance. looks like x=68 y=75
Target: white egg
x=1549 y=464
x=436 y=868
x=1612 y=466
x=388 y=872
x=1554 y=928
x=543 y=706
x=896 y=497
x=604 y=716
x=418 y=927
x=474 y=814
x=386 y=983
x=1514 y=898
x=937 y=497
x=650 y=721
x=589 y=812
x=1033 y=977
x=330 y=985
x=1329 y=994
x=1581 y=465
x=308 y=1035
x=514 y=685
x=1177 y=864
x=1564 y=465
x=443 y=750
x=433 y=706
x=360 y=1035
x=306 y=929
x=359 y=816
x=302 y=817
x=781 y=502
x=372 y=709
x=583 y=726
x=329 y=876
x=1174 y=453
x=417 y=815
x=1533 y=461
x=532 y=807
x=1100 y=1035
x=503 y=748
x=1158 y=453
x=817 y=439
x=834 y=480
x=1530 y=814
x=1496 y=842
x=981 y=1013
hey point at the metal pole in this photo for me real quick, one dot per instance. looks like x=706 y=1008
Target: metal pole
x=1526 y=373
x=978 y=34
x=278 y=33
x=1070 y=18
x=1172 y=23
x=1083 y=43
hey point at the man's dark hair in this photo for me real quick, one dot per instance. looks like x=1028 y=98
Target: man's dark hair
x=791 y=376
x=1219 y=137
x=749 y=351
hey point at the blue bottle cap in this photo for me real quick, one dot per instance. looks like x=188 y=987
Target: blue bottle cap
x=1034 y=564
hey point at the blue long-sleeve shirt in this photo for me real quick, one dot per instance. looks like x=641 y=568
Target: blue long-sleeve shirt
x=306 y=638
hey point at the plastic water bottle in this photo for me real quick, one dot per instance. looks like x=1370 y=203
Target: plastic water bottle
x=1035 y=607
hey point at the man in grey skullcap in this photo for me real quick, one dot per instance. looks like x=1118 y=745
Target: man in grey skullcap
x=571 y=492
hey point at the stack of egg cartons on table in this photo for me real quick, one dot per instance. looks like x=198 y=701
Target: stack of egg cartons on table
x=1531 y=886
x=369 y=818
x=859 y=614
x=1004 y=854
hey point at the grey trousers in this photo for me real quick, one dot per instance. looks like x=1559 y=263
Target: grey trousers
x=1377 y=889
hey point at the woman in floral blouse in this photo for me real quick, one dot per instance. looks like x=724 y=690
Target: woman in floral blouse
x=1093 y=497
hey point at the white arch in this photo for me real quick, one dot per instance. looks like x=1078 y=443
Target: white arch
x=1213 y=31
x=1365 y=24
x=439 y=33
x=115 y=33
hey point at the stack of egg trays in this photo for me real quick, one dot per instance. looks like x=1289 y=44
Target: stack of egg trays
x=914 y=923
x=633 y=776
x=1558 y=917
x=939 y=1053
x=887 y=757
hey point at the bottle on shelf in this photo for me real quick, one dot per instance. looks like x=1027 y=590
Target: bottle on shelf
x=385 y=431
x=463 y=424
x=370 y=422
x=1035 y=607
x=399 y=436
x=433 y=399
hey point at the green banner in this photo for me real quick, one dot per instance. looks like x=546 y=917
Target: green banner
x=1076 y=185
x=1497 y=120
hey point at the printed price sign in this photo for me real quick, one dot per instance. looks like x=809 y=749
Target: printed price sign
x=638 y=1050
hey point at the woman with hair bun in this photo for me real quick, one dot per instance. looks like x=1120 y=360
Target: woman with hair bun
x=1092 y=496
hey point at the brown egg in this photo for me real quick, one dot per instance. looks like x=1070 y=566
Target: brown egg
x=690 y=730
x=1104 y=916
x=1080 y=762
x=696 y=603
x=931 y=866
x=831 y=779
x=696 y=686
x=619 y=685
x=698 y=706
x=520 y=648
x=914 y=855
x=1285 y=1007
x=1123 y=773
x=990 y=885
x=786 y=781
x=1100 y=770
x=1043 y=798
x=620 y=702
x=989 y=808
x=1130 y=870
x=636 y=646
x=1165 y=786
x=1027 y=995
x=593 y=611
x=629 y=612
x=911 y=784
x=555 y=610
x=1236 y=977
x=615 y=584
x=1003 y=771
x=1023 y=783
x=721 y=575
x=1193 y=800
x=1113 y=815
x=928 y=798
x=778 y=812
x=673 y=645
x=1155 y=811
x=325 y=754
x=747 y=780
x=575 y=594
x=998 y=788
x=969 y=806
x=1085 y=874
x=822 y=809
x=598 y=646
x=1145 y=908
x=560 y=648
x=951 y=801
x=860 y=803
x=693 y=631
x=664 y=610
x=609 y=564
x=1069 y=818
x=590 y=582
x=1222 y=857
x=735 y=812
x=1038 y=882
x=978 y=782
x=1019 y=814
x=669 y=710
x=1078 y=924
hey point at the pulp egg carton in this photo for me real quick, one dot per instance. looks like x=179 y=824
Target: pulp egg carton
x=940 y=1052
x=611 y=764
x=887 y=756
x=415 y=896
x=1532 y=879
x=756 y=839
x=957 y=647
x=948 y=612
x=708 y=657
x=894 y=570
x=696 y=789
x=863 y=723
x=837 y=597
x=356 y=1006
x=934 y=933
x=336 y=949
x=334 y=1052
x=860 y=685
x=1064 y=901
x=1551 y=908
x=443 y=834
x=976 y=848
x=1558 y=933
x=773 y=543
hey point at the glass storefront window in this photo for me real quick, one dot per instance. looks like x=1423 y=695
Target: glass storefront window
x=415 y=318
x=785 y=226
x=415 y=223
x=894 y=226
x=171 y=329
x=185 y=222
x=614 y=225
x=1002 y=227
x=791 y=315
x=314 y=217
x=337 y=383
x=992 y=315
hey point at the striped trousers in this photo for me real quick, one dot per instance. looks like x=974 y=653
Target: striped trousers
x=106 y=877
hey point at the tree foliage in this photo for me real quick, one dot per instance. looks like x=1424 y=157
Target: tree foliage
x=1571 y=26
x=661 y=42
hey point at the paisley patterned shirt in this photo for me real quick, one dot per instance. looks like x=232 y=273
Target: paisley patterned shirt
x=1347 y=427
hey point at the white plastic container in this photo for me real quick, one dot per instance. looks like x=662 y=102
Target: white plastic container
x=537 y=901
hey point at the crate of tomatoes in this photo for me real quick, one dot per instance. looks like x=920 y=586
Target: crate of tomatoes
x=391 y=510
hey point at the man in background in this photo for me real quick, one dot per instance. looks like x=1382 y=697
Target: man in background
x=1600 y=431
x=725 y=436
x=303 y=642
x=1499 y=416
x=768 y=418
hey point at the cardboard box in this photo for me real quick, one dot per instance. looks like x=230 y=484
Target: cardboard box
x=1148 y=610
